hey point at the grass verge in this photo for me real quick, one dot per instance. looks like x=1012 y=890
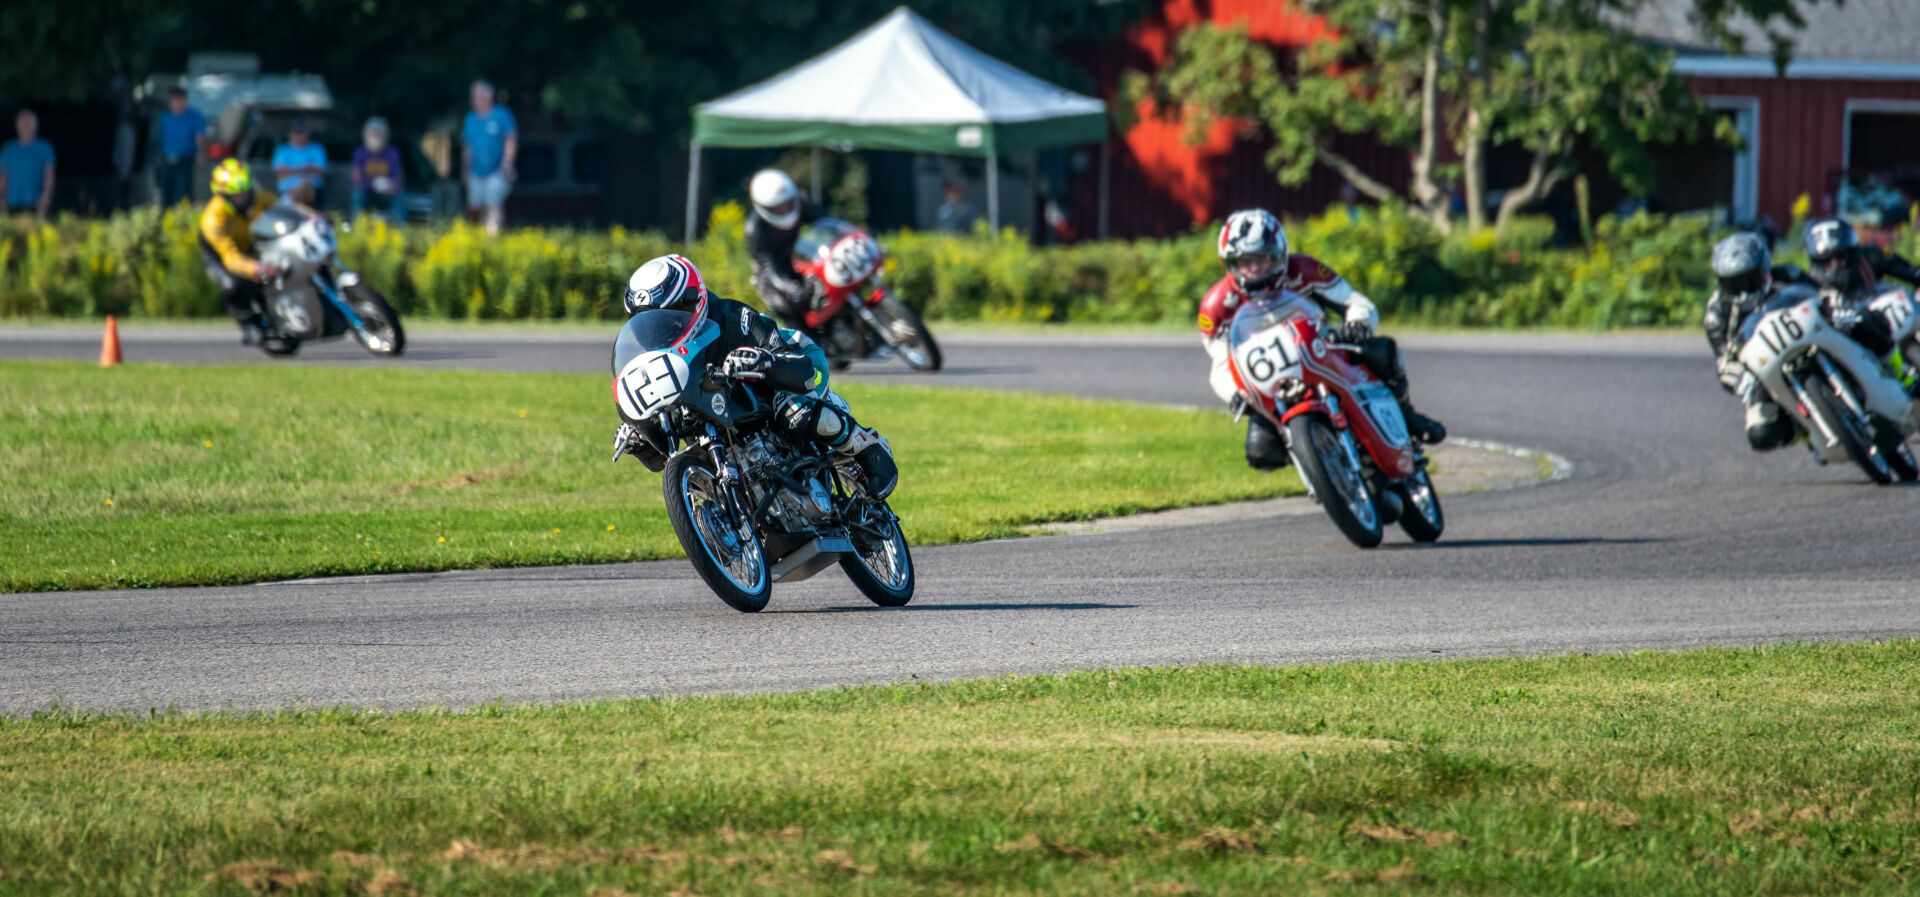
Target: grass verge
x=1780 y=770
x=146 y=475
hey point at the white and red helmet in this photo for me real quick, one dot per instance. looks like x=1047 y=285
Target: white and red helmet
x=1253 y=248
x=670 y=282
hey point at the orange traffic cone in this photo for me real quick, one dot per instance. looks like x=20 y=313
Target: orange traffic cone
x=110 y=344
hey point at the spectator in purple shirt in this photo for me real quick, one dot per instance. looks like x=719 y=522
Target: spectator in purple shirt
x=377 y=178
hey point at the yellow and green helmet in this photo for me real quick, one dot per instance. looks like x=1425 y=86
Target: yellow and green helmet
x=230 y=178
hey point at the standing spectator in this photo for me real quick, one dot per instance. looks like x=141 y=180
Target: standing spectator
x=26 y=168
x=299 y=165
x=955 y=215
x=183 y=140
x=493 y=140
x=377 y=178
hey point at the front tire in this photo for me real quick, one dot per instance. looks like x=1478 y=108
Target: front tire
x=383 y=334
x=1342 y=491
x=882 y=565
x=727 y=553
x=1893 y=447
x=909 y=336
x=297 y=313
x=1856 y=435
x=1422 y=520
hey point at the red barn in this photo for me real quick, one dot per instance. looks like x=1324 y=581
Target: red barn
x=1841 y=126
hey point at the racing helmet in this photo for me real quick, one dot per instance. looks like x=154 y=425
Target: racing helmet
x=669 y=282
x=232 y=181
x=1742 y=265
x=1253 y=249
x=775 y=198
x=1834 y=249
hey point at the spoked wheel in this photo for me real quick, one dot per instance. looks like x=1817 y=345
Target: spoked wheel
x=381 y=333
x=711 y=524
x=297 y=313
x=1422 y=519
x=1856 y=436
x=1341 y=488
x=881 y=566
x=908 y=335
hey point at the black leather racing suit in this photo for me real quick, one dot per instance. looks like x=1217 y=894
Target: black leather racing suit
x=785 y=292
x=1848 y=307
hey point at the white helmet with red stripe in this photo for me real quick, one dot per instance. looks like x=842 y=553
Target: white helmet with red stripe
x=1253 y=248
x=671 y=282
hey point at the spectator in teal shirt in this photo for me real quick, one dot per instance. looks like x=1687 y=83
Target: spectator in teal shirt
x=492 y=141
x=183 y=139
x=299 y=166
x=26 y=168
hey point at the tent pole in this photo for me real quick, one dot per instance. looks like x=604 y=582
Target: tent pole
x=1106 y=180
x=993 y=191
x=693 y=192
x=813 y=181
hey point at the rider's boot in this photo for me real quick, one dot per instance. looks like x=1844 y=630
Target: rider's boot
x=1423 y=428
x=875 y=458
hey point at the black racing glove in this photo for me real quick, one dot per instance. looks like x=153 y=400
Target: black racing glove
x=1352 y=333
x=747 y=363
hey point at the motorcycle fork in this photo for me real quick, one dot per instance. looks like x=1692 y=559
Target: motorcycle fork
x=1840 y=387
x=1807 y=408
x=333 y=296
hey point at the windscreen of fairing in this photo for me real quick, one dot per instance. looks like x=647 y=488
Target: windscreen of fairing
x=651 y=331
x=816 y=239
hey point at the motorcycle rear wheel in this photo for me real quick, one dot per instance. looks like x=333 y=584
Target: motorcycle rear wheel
x=1342 y=490
x=882 y=568
x=909 y=336
x=1856 y=435
x=735 y=568
x=384 y=335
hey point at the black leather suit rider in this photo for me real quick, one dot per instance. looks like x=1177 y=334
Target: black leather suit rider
x=788 y=295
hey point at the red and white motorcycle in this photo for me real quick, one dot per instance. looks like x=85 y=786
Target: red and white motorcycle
x=1343 y=428
x=860 y=320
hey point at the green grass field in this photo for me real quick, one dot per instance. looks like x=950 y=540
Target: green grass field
x=146 y=475
x=1786 y=770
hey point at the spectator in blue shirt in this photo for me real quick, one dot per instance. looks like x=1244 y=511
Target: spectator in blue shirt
x=183 y=140
x=299 y=165
x=26 y=168
x=492 y=141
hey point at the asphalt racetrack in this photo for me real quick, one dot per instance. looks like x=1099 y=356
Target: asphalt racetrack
x=1669 y=534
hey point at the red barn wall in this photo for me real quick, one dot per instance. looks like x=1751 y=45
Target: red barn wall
x=1802 y=128
x=1161 y=184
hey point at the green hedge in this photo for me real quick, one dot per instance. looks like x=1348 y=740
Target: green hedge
x=1641 y=271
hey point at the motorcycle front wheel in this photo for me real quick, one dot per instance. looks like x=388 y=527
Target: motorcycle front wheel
x=724 y=549
x=1422 y=520
x=381 y=333
x=1856 y=436
x=298 y=313
x=1342 y=490
x=881 y=565
x=908 y=335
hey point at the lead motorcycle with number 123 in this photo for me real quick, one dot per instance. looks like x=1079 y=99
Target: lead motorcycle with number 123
x=751 y=507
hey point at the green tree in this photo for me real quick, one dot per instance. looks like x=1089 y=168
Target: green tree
x=1425 y=73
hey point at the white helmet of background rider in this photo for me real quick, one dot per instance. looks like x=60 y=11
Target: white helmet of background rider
x=1253 y=249
x=775 y=198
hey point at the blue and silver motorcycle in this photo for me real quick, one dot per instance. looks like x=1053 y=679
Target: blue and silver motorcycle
x=315 y=297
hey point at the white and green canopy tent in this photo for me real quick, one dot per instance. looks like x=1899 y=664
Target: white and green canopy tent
x=902 y=84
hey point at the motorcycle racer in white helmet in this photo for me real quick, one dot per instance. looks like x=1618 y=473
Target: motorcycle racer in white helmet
x=779 y=209
x=1253 y=249
x=793 y=370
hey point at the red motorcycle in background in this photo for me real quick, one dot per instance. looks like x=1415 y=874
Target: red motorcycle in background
x=1343 y=428
x=860 y=320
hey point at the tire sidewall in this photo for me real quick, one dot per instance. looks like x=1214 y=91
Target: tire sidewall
x=1859 y=446
x=1307 y=459
x=1417 y=527
x=673 y=490
x=360 y=292
x=902 y=311
x=871 y=586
